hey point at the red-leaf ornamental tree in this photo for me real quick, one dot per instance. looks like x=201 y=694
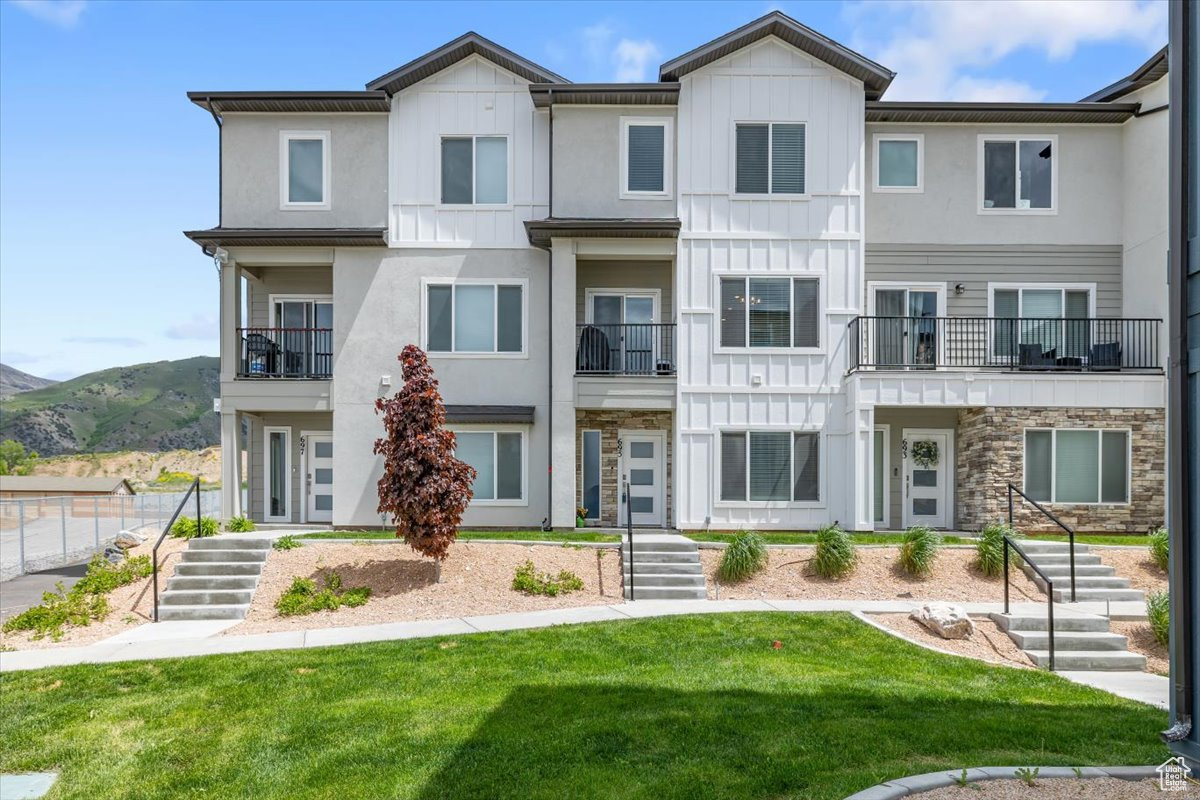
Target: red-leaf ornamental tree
x=424 y=487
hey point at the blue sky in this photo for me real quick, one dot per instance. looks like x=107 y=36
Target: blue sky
x=103 y=161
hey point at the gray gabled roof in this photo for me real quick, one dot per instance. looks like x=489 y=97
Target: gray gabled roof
x=451 y=53
x=291 y=102
x=1143 y=76
x=50 y=485
x=875 y=77
x=1041 y=113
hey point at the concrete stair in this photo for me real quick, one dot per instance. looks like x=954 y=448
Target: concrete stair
x=1081 y=641
x=665 y=566
x=215 y=579
x=1093 y=580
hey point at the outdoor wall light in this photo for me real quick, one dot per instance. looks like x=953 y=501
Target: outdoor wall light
x=959 y=288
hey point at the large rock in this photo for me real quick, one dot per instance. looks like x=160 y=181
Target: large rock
x=945 y=619
x=128 y=539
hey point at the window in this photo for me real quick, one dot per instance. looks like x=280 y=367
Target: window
x=474 y=318
x=304 y=170
x=277 y=486
x=899 y=161
x=475 y=170
x=590 y=483
x=1017 y=174
x=770 y=312
x=1077 y=466
x=770 y=158
x=1065 y=333
x=498 y=458
x=769 y=465
x=645 y=157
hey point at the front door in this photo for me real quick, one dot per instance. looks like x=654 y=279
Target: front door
x=642 y=459
x=318 y=478
x=927 y=477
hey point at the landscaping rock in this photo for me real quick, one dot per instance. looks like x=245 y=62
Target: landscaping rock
x=946 y=620
x=128 y=539
x=114 y=554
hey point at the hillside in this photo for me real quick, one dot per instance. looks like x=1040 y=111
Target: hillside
x=163 y=405
x=145 y=470
x=13 y=381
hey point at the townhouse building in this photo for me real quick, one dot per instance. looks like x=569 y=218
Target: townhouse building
x=752 y=294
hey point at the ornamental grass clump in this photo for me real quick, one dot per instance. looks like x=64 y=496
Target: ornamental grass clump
x=187 y=528
x=745 y=556
x=836 y=555
x=919 y=550
x=1160 y=547
x=989 y=550
x=1158 y=614
x=239 y=525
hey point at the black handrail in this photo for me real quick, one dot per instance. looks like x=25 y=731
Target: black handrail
x=629 y=530
x=635 y=348
x=1070 y=531
x=1049 y=591
x=194 y=488
x=285 y=353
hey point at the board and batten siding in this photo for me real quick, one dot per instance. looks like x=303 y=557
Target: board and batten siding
x=473 y=97
x=818 y=234
x=256 y=457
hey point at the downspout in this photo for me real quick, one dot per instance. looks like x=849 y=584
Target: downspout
x=546 y=523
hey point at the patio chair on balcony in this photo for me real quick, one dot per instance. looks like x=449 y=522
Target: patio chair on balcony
x=1105 y=356
x=593 y=354
x=261 y=354
x=1031 y=356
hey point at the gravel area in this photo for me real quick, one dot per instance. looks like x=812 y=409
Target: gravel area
x=130 y=605
x=1060 y=789
x=1134 y=564
x=988 y=643
x=1141 y=640
x=476 y=579
x=876 y=577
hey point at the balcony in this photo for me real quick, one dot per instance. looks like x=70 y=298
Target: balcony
x=625 y=349
x=291 y=353
x=1005 y=343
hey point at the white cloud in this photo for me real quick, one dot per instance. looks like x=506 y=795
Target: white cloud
x=623 y=60
x=632 y=58
x=935 y=45
x=200 y=326
x=115 y=341
x=63 y=13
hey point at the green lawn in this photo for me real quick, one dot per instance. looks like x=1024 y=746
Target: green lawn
x=1137 y=540
x=688 y=707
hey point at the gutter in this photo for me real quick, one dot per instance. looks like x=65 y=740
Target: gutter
x=547 y=523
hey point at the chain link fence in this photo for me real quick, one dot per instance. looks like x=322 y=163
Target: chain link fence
x=50 y=532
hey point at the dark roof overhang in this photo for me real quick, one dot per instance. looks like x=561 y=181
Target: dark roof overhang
x=604 y=94
x=213 y=238
x=451 y=53
x=1154 y=68
x=1042 y=113
x=511 y=414
x=875 y=77
x=291 y=102
x=541 y=231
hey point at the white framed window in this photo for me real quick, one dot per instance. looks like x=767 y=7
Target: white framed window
x=899 y=162
x=474 y=170
x=1078 y=466
x=1019 y=308
x=646 y=157
x=304 y=176
x=277 y=477
x=769 y=158
x=498 y=457
x=475 y=317
x=590 y=471
x=1018 y=174
x=769 y=312
x=770 y=466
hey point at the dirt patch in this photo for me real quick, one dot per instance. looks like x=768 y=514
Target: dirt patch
x=987 y=643
x=789 y=576
x=141 y=468
x=1136 y=565
x=1060 y=789
x=1141 y=640
x=476 y=579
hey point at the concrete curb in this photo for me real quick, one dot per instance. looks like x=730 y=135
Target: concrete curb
x=914 y=784
x=522 y=542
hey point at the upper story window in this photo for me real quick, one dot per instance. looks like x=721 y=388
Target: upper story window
x=770 y=312
x=304 y=170
x=475 y=318
x=899 y=161
x=645 y=157
x=475 y=170
x=1017 y=174
x=770 y=158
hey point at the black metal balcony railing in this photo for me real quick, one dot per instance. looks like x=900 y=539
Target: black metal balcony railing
x=627 y=349
x=1009 y=343
x=286 y=353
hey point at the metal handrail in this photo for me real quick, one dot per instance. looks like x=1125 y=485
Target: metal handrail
x=629 y=530
x=1049 y=591
x=1050 y=516
x=195 y=488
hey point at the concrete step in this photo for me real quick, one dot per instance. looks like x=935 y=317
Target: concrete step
x=1105 y=660
x=1070 y=641
x=1020 y=621
x=660 y=556
x=206 y=598
x=229 y=543
x=658 y=546
x=1063 y=595
x=196 y=583
x=1056 y=571
x=666 y=567
x=667 y=593
x=652 y=579
x=1033 y=546
x=212 y=568
x=255 y=556
x=166 y=612
x=1042 y=559
x=1081 y=581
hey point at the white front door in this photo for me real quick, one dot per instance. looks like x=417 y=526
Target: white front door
x=642 y=458
x=318 y=477
x=928 y=478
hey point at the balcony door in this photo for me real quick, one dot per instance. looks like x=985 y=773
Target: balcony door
x=1054 y=319
x=625 y=319
x=302 y=328
x=906 y=328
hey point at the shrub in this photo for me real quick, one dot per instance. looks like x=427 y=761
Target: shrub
x=240 y=525
x=186 y=528
x=989 y=550
x=1158 y=614
x=746 y=555
x=304 y=596
x=835 y=556
x=289 y=542
x=528 y=580
x=167 y=476
x=83 y=602
x=919 y=550
x=1160 y=547
x=103 y=576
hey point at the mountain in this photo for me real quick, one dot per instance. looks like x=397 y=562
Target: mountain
x=164 y=405
x=13 y=381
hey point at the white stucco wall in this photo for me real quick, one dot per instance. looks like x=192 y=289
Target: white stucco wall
x=1144 y=221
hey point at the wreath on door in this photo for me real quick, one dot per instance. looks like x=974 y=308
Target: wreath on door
x=925 y=454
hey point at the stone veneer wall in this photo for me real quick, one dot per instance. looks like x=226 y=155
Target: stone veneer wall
x=609 y=423
x=990 y=454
